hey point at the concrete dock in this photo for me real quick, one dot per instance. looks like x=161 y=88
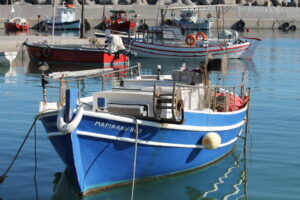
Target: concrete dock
x=254 y=16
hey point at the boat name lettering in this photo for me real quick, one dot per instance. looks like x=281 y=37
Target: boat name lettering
x=116 y=127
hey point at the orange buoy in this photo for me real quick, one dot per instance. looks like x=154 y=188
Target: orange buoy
x=70 y=5
x=204 y=37
x=190 y=40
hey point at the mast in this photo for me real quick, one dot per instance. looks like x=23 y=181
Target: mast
x=53 y=21
x=82 y=25
x=217 y=19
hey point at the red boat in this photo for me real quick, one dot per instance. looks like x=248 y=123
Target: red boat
x=16 y=23
x=119 y=21
x=77 y=54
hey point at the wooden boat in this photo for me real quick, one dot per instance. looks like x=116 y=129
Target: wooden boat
x=81 y=54
x=16 y=23
x=168 y=43
x=145 y=128
x=119 y=21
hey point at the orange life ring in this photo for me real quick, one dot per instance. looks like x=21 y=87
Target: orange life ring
x=204 y=37
x=190 y=40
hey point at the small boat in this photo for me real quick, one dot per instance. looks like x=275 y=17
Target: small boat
x=144 y=128
x=119 y=21
x=16 y=24
x=168 y=43
x=190 y=19
x=65 y=19
x=112 y=55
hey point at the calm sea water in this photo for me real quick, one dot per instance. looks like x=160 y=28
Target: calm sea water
x=271 y=170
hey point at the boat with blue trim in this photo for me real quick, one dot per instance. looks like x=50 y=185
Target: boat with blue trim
x=190 y=17
x=65 y=19
x=144 y=128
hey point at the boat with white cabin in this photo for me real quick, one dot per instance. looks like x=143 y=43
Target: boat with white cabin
x=143 y=128
x=171 y=42
x=189 y=18
x=65 y=19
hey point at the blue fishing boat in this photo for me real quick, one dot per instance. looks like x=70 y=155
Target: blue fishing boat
x=144 y=128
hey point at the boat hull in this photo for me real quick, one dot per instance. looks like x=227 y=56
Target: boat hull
x=72 y=25
x=122 y=27
x=74 y=54
x=205 y=25
x=147 y=50
x=15 y=26
x=103 y=146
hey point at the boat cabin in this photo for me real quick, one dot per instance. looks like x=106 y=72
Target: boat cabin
x=188 y=15
x=66 y=13
x=120 y=15
x=166 y=98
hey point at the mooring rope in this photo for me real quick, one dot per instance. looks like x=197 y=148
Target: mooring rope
x=135 y=155
x=35 y=165
x=4 y=175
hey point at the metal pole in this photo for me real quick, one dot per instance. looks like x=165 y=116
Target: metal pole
x=53 y=21
x=247 y=123
x=82 y=25
x=78 y=86
x=102 y=80
x=217 y=18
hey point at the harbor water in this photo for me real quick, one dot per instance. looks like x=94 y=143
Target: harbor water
x=270 y=170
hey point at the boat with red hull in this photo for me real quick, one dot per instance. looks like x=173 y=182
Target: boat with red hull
x=16 y=23
x=119 y=21
x=77 y=54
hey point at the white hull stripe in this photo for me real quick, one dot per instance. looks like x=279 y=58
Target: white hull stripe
x=108 y=116
x=149 y=143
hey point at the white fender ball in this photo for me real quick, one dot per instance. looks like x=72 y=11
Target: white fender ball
x=211 y=140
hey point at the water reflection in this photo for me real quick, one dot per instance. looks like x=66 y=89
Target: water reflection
x=64 y=33
x=33 y=67
x=170 y=64
x=16 y=32
x=4 y=68
x=224 y=180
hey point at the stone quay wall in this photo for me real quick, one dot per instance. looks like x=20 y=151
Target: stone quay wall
x=253 y=16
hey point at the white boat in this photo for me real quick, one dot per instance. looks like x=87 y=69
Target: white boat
x=189 y=18
x=64 y=19
x=168 y=43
